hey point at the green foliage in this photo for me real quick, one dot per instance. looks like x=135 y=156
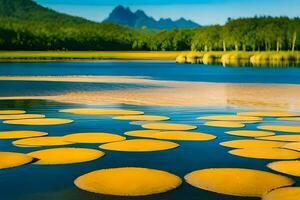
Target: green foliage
x=24 y=25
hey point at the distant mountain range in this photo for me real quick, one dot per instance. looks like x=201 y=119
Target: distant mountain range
x=139 y=19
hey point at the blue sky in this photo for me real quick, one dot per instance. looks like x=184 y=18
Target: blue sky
x=201 y=11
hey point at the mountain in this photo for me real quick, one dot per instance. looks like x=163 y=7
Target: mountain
x=139 y=19
x=28 y=10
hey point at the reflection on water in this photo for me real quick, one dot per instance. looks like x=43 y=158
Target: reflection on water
x=33 y=182
x=44 y=88
x=269 y=63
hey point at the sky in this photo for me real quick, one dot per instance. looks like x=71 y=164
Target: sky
x=204 y=12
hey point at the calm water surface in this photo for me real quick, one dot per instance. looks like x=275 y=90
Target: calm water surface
x=156 y=70
x=34 y=182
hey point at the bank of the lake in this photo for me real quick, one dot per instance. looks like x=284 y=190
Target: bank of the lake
x=242 y=58
x=38 y=56
x=226 y=58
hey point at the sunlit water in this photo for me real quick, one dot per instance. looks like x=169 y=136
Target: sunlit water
x=35 y=182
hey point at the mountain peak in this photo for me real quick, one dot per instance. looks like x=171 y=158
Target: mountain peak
x=124 y=16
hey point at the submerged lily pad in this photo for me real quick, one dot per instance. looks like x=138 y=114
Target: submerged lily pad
x=12 y=159
x=39 y=122
x=95 y=138
x=129 y=181
x=266 y=153
x=225 y=124
x=290 y=129
x=243 y=144
x=171 y=135
x=230 y=118
x=287 y=193
x=90 y=111
x=65 y=155
x=12 y=112
x=285 y=138
x=21 y=134
x=41 y=141
x=269 y=114
x=250 y=133
x=291 y=167
x=142 y=117
x=169 y=126
x=139 y=145
x=236 y=181
x=290 y=118
x=21 y=116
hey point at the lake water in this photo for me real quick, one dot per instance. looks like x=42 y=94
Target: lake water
x=35 y=182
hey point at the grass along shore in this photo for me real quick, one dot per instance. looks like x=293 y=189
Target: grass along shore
x=242 y=58
x=86 y=55
x=228 y=58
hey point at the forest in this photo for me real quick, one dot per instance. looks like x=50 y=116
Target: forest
x=55 y=31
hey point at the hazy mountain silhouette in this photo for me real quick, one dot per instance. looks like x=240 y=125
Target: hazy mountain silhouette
x=139 y=19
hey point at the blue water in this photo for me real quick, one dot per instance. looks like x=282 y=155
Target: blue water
x=44 y=88
x=35 y=182
x=157 y=70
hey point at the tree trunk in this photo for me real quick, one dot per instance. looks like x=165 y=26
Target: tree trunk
x=236 y=47
x=205 y=48
x=277 y=46
x=224 y=45
x=294 y=41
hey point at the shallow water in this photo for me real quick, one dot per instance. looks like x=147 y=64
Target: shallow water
x=33 y=182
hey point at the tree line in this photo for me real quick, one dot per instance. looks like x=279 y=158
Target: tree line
x=247 y=34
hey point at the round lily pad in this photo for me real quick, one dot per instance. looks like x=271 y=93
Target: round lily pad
x=39 y=122
x=12 y=159
x=169 y=126
x=96 y=138
x=139 y=145
x=65 y=155
x=21 y=134
x=129 y=181
x=237 y=181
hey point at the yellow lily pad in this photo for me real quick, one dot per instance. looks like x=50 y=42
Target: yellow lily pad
x=58 y=156
x=171 y=135
x=236 y=181
x=169 y=126
x=266 y=153
x=90 y=111
x=290 y=129
x=293 y=146
x=21 y=134
x=291 y=167
x=269 y=114
x=129 y=181
x=12 y=112
x=245 y=144
x=12 y=159
x=139 y=145
x=41 y=141
x=225 y=124
x=230 y=118
x=95 y=138
x=39 y=122
x=22 y=116
x=287 y=193
x=142 y=117
x=250 y=133
x=285 y=138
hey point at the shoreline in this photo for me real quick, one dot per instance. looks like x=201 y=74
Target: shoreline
x=175 y=93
